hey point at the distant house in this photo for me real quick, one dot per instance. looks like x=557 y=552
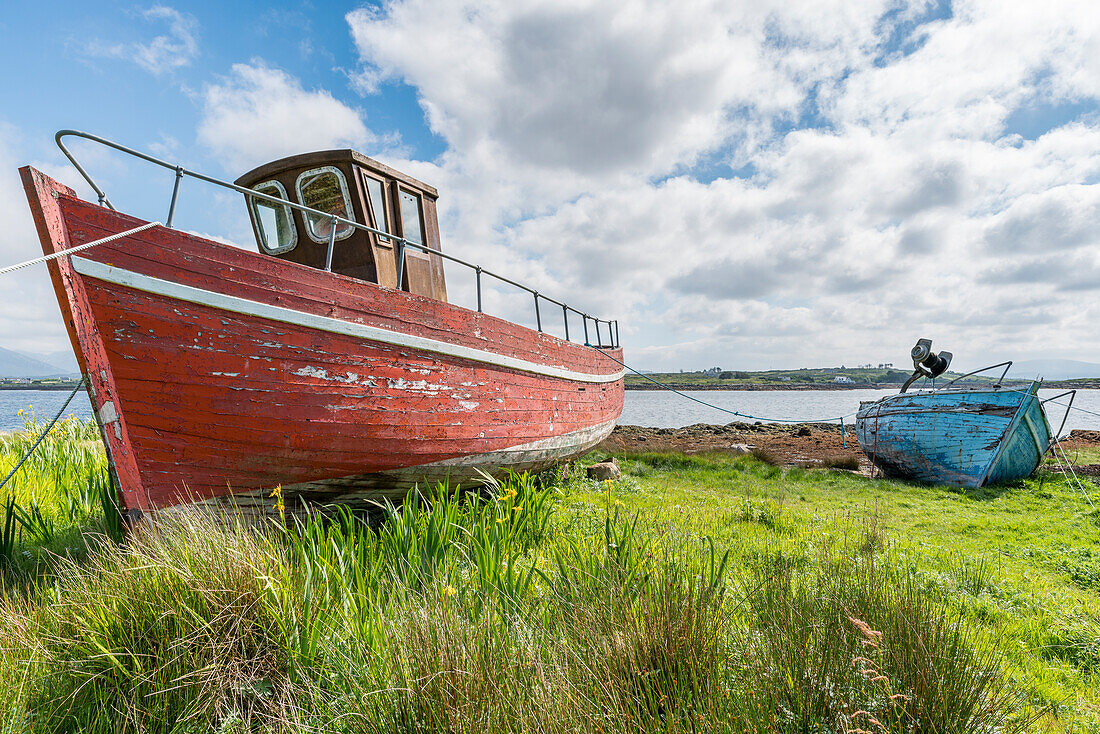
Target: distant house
x=712 y=371
x=784 y=378
x=842 y=380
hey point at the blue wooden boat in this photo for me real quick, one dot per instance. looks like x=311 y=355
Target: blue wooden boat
x=965 y=437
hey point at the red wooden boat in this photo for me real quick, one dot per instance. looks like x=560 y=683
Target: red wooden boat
x=218 y=372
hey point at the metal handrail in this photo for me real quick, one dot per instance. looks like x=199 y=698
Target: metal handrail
x=402 y=243
x=1072 y=396
x=1007 y=366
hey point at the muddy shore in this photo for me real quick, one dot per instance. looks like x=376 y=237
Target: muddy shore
x=799 y=444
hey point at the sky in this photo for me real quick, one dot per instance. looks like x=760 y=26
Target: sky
x=751 y=185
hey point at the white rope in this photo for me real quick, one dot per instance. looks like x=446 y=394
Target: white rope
x=1067 y=468
x=1069 y=465
x=1073 y=407
x=85 y=246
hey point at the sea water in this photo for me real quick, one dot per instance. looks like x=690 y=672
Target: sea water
x=654 y=408
x=663 y=409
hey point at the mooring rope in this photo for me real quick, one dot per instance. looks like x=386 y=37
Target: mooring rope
x=718 y=407
x=79 y=248
x=46 y=258
x=1069 y=465
x=1074 y=407
x=56 y=418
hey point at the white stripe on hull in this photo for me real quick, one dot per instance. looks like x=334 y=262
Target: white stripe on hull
x=225 y=302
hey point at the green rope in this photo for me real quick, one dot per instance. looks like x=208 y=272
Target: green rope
x=716 y=407
x=56 y=418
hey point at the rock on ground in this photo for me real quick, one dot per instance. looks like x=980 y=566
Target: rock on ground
x=604 y=470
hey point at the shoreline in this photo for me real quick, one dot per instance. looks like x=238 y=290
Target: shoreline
x=801 y=386
x=795 y=444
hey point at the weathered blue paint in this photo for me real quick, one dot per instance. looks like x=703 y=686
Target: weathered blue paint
x=965 y=438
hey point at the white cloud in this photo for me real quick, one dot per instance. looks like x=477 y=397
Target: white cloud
x=164 y=53
x=258 y=113
x=599 y=88
x=592 y=149
x=30 y=319
x=1059 y=218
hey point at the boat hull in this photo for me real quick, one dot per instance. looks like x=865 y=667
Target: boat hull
x=964 y=438
x=217 y=372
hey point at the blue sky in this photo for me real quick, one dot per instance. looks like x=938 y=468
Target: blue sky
x=80 y=68
x=752 y=185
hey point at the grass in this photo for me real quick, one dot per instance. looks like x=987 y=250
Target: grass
x=1018 y=560
x=60 y=494
x=698 y=593
x=1084 y=455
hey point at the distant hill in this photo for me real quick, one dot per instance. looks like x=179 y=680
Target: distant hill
x=20 y=364
x=64 y=360
x=843 y=377
x=1054 y=369
x=815 y=378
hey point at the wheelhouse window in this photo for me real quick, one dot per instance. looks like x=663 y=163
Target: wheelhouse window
x=377 y=193
x=273 y=221
x=325 y=189
x=411 y=228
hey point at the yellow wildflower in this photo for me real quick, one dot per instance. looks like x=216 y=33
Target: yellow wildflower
x=450 y=590
x=277 y=493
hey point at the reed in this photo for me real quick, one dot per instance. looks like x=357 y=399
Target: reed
x=855 y=643
x=61 y=494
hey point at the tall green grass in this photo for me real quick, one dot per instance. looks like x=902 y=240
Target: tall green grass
x=62 y=491
x=518 y=607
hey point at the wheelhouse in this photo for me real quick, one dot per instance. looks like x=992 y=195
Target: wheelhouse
x=351 y=186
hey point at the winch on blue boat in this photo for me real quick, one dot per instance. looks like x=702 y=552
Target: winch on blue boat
x=960 y=436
